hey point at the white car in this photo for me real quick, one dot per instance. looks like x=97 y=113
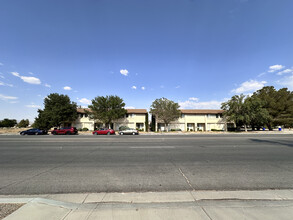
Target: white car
x=129 y=131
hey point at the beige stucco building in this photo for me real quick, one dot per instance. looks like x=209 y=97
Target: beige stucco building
x=195 y=120
x=135 y=118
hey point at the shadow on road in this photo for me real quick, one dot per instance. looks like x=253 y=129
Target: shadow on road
x=284 y=143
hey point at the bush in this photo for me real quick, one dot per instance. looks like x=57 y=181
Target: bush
x=80 y=129
x=191 y=129
x=85 y=129
x=216 y=129
x=122 y=128
x=177 y=129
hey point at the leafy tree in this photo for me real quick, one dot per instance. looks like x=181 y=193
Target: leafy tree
x=284 y=106
x=107 y=108
x=279 y=105
x=259 y=116
x=237 y=110
x=165 y=110
x=23 y=123
x=58 y=109
x=8 y=123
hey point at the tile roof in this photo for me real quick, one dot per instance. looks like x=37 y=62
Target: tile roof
x=129 y=111
x=201 y=111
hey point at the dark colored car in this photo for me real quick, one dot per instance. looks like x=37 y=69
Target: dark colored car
x=66 y=130
x=34 y=131
x=106 y=131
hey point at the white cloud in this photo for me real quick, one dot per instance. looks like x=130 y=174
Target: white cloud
x=31 y=73
x=67 y=88
x=1 y=64
x=133 y=87
x=2 y=77
x=261 y=74
x=124 y=72
x=177 y=87
x=129 y=107
x=5 y=84
x=189 y=104
x=143 y=88
x=85 y=101
x=31 y=80
x=33 y=106
x=249 y=86
x=47 y=85
x=6 y=98
x=275 y=68
x=27 y=79
x=15 y=74
x=285 y=71
x=194 y=99
x=287 y=82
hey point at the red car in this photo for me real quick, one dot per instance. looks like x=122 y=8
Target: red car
x=68 y=131
x=106 y=131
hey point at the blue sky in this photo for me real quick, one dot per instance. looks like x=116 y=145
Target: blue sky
x=195 y=52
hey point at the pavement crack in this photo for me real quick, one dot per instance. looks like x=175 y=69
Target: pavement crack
x=187 y=180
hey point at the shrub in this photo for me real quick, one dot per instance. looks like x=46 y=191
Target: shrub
x=122 y=128
x=85 y=129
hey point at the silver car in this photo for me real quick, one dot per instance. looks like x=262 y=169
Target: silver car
x=129 y=131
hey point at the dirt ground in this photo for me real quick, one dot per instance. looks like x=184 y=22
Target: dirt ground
x=11 y=130
x=7 y=209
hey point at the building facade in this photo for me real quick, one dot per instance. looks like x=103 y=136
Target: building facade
x=194 y=120
x=135 y=118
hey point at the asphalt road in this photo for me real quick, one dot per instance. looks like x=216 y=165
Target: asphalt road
x=75 y=164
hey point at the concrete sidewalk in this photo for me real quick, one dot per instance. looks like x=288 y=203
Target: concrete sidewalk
x=266 y=204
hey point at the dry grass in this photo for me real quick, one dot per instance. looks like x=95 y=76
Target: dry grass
x=11 y=130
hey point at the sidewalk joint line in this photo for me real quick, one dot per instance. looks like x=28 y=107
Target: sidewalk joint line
x=206 y=213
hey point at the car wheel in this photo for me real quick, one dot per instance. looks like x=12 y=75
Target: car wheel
x=68 y=133
x=36 y=133
x=121 y=133
x=133 y=133
x=95 y=133
x=108 y=133
x=22 y=134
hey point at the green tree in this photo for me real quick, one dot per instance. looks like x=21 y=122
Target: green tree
x=237 y=110
x=165 y=110
x=279 y=105
x=284 y=106
x=107 y=108
x=268 y=96
x=8 y=123
x=58 y=109
x=259 y=116
x=23 y=123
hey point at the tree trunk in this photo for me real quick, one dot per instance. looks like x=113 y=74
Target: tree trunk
x=245 y=128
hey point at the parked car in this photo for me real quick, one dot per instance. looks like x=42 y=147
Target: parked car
x=129 y=131
x=65 y=130
x=34 y=131
x=106 y=131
